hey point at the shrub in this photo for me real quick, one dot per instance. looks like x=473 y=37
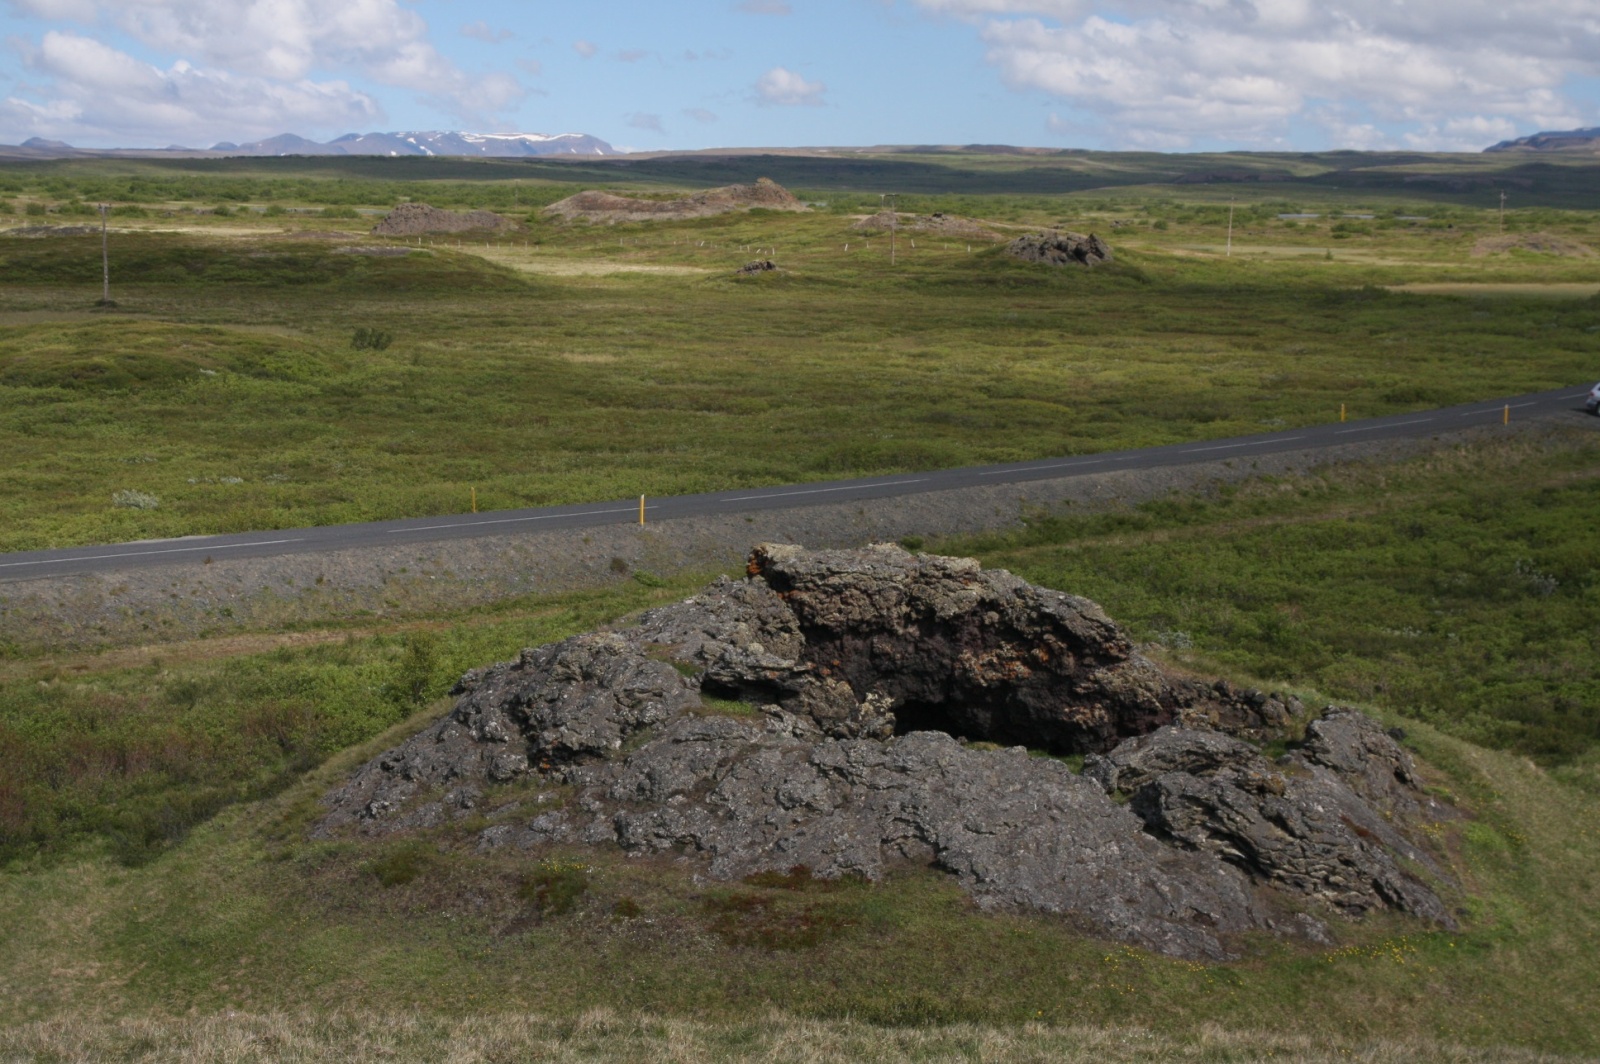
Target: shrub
x=402 y=864
x=760 y=921
x=131 y=499
x=554 y=888
x=368 y=339
x=418 y=664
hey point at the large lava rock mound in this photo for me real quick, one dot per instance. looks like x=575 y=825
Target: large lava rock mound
x=1055 y=248
x=850 y=710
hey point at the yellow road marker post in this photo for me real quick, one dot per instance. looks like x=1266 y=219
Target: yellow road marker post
x=1506 y=418
x=641 y=509
x=474 y=499
x=1341 y=411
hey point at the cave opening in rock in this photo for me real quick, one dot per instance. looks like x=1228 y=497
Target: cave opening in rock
x=945 y=647
x=932 y=716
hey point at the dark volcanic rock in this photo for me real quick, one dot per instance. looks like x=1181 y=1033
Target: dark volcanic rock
x=1299 y=824
x=817 y=713
x=1018 y=831
x=569 y=701
x=977 y=653
x=1056 y=248
x=1365 y=757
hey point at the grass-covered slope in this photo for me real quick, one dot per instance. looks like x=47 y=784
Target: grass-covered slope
x=240 y=912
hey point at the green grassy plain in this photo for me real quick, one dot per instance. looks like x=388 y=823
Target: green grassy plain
x=569 y=363
x=154 y=801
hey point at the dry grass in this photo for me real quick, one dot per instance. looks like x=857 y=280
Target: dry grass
x=1554 y=290
x=604 y=1035
x=533 y=260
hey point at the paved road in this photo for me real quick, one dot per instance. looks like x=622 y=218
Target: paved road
x=195 y=550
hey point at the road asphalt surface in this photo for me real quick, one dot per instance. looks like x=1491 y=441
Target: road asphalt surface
x=196 y=550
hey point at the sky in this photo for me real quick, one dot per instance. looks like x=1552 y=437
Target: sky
x=1170 y=75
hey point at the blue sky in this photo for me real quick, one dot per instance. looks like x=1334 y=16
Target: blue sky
x=1162 y=74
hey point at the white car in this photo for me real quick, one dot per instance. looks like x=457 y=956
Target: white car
x=1592 y=404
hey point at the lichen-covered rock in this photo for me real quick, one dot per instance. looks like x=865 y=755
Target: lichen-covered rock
x=1019 y=832
x=1365 y=757
x=1299 y=824
x=569 y=701
x=847 y=711
x=1137 y=762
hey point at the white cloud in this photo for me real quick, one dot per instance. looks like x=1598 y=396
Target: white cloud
x=70 y=10
x=784 y=88
x=530 y=66
x=701 y=115
x=764 y=7
x=645 y=121
x=284 y=43
x=1443 y=73
x=482 y=31
x=587 y=49
x=103 y=93
x=632 y=55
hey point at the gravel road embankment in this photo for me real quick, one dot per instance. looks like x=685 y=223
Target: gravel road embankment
x=186 y=600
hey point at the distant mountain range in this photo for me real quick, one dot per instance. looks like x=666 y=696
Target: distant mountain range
x=432 y=142
x=1585 y=140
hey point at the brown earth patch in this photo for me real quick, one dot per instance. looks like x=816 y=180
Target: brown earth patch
x=1544 y=243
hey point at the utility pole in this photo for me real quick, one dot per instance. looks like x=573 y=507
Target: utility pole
x=105 y=257
x=893 y=200
x=1502 y=210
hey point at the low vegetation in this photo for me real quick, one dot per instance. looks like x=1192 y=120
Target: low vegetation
x=160 y=898
x=247 y=915
x=361 y=1037
x=261 y=374
x=1460 y=589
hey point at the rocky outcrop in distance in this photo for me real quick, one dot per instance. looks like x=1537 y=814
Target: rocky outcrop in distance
x=855 y=710
x=419 y=219
x=596 y=206
x=1056 y=248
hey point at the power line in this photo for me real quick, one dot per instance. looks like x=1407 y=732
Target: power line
x=893 y=200
x=105 y=257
